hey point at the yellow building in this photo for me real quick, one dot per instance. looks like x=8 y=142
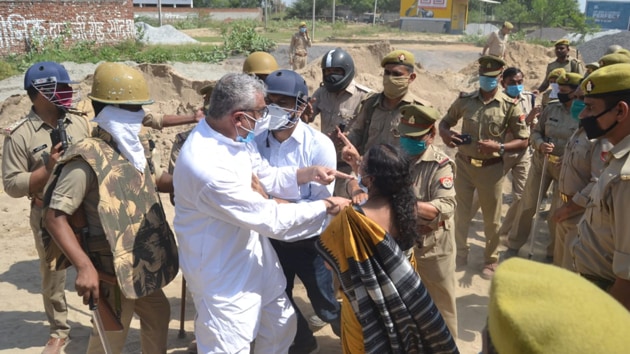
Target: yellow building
x=449 y=16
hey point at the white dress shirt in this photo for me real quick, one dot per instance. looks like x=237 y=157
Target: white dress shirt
x=222 y=227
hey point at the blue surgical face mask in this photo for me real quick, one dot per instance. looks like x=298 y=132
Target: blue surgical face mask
x=514 y=90
x=576 y=108
x=412 y=147
x=302 y=29
x=248 y=139
x=488 y=83
x=363 y=187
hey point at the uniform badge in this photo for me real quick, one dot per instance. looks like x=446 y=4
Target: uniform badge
x=589 y=86
x=521 y=118
x=446 y=182
x=401 y=58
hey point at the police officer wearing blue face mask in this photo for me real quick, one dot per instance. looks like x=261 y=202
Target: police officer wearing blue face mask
x=487 y=116
x=432 y=174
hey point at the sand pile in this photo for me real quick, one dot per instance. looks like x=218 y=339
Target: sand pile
x=175 y=90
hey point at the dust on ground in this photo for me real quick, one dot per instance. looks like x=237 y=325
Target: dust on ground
x=174 y=87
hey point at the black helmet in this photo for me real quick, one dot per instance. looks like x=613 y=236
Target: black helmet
x=338 y=58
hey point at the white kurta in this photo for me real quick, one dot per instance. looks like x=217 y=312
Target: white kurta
x=230 y=266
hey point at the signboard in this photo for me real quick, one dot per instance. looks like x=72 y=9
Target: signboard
x=609 y=14
x=429 y=9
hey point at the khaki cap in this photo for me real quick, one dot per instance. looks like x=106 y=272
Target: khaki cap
x=618 y=57
x=489 y=65
x=562 y=41
x=594 y=65
x=417 y=120
x=508 y=25
x=399 y=57
x=570 y=79
x=207 y=90
x=609 y=79
x=556 y=73
x=538 y=308
x=303 y=24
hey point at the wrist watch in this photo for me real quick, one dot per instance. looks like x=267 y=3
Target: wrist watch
x=501 y=149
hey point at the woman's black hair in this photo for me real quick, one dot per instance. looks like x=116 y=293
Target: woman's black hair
x=390 y=169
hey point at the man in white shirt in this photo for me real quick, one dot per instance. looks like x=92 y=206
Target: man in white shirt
x=223 y=224
x=291 y=142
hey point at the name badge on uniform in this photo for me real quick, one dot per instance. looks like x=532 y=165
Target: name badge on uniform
x=40 y=148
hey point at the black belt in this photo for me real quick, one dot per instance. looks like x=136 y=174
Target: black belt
x=481 y=162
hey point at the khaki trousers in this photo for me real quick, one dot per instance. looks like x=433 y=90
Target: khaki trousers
x=566 y=234
x=53 y=283
x=299 y=62
x=153 y=310
x=435 y=263
x=522 y=224
x=519 y=165
x=488 y=182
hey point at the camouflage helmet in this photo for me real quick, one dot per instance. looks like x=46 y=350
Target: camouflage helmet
x=260 y=63
x=117 y=83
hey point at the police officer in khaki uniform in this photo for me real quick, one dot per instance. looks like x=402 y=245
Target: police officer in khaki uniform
x=27 y=161
x=337 y=101
x=549 y=139
x=603 y=244
x=497 y=41
x=298 y=48
x=563 y=60
x=128 y=236
x=378 y=117
x=486 y=114
x=582 y=163
x=432 y=173
x=551 y=95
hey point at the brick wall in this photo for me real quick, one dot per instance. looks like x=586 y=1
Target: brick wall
x=25 y=23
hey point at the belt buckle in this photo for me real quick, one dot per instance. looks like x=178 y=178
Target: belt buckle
x=476 y=162
x=564 y=197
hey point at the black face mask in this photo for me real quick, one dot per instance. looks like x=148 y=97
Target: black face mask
x=592 y=129
x=563 y=97
x=333 y=78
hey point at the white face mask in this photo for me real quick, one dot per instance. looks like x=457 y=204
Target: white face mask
x=260 y=125
x=124 y=127
x=554 y=90
x=280 y=118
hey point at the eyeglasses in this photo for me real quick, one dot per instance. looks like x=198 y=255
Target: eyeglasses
x=263 y=112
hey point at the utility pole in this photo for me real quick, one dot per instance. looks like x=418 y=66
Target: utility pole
x=374 y=15
x=313 y=31
x=160 y=12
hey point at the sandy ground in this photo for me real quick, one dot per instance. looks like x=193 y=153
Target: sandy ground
x=446 y=70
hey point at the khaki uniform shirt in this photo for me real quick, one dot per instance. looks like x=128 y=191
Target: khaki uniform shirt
x=555 y=125
x=27 y=148
x=582 y=164
x=497 y=43
x=603 y=246
x=382 y=126
x=78 y=185
x=299 y=45
x=570 y=66
x=335 y=108
x=433 y=175
x=486 y=120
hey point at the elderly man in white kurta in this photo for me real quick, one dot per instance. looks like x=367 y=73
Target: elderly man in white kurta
x=223 y=223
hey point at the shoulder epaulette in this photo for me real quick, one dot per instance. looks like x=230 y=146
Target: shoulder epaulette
x=362 y=87
x=466 y=94
x=444 y=161
x=13 y=127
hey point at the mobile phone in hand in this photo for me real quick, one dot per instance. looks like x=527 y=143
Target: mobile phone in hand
x=465 y=139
